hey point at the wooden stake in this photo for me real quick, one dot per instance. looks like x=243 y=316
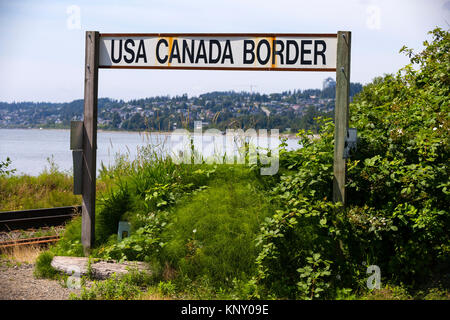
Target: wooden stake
x=341 y=114
x=90 y=140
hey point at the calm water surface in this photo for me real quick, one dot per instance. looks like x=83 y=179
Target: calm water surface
x=30 y=149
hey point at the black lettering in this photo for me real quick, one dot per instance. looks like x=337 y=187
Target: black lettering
x=258 y=51
x=321 y=52
x=120 y=51
x=201 y=53
x=277 y=52
x=141 y=52
x=304 y=51
x=249 y=50
x=217 y=43
x=288 y=46
x=129 y=50
x=175 y=52
x=188 y=52
x=227 y=53
x=160 y=41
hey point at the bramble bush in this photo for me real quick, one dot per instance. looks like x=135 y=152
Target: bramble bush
x=302 y=243
x=396 y=214
x=402 y=172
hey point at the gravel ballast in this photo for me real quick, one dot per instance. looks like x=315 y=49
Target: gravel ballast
x=18 y=283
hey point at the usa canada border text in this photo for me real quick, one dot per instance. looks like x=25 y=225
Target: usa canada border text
x=275 y=47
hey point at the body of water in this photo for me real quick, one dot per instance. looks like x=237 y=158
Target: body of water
x=31 y=149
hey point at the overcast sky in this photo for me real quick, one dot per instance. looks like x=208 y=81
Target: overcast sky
x=42 y=42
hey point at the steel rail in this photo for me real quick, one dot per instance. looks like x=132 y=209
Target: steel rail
x=28 y=241
x=37 y=218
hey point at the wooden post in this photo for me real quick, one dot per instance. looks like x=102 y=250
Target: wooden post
x=90 y=140
x=341 y=113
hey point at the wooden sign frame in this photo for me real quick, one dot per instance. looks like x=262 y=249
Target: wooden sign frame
x=92 y=53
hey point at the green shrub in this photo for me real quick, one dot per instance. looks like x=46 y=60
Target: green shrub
x=388 y=292
x=437 y=294
x=301 y=245
x=401 y=168
x=143 y=187
x=111 y=207
x=43 y=268
x=396 y=214
x=142 y=245
x=70 y=243
x=5 y=167
x=125 y=287
x=114 y=288
x=166 y=288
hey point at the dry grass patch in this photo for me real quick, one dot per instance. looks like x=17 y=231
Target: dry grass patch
x=22 y=254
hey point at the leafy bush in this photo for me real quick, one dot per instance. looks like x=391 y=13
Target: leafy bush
x=144 y=201
x=396 y=214
x=111 y=208
x=114 y=288
x=124 y=287
x=166 y=288
x=437 y=294
x=401 y=169
x=388 y=293
x=70 y=242
x=302 y=242
x=142 y=245
x=5 y=167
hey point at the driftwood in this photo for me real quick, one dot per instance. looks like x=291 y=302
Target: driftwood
x=99 y=269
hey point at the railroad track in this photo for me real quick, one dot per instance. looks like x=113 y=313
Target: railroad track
x=34 y=219
x=37 y=218
x=29 y=241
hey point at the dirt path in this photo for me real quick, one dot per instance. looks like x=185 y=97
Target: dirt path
x=18 y=283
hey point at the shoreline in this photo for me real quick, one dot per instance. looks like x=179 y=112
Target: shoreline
x=163 y=133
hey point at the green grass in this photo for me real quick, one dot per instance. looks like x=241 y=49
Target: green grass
x=213 y=233
x=70 y=242
x=49 y=189
x=43 y=268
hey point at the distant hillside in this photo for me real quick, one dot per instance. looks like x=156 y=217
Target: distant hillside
x=286 y=110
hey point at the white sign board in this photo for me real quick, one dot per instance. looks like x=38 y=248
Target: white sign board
x=270 y=52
